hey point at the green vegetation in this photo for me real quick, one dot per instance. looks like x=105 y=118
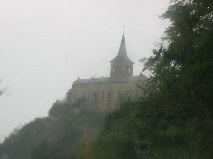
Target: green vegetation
x=54 y=137
x=174 y=119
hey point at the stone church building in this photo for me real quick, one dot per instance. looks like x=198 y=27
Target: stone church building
x=107 y=93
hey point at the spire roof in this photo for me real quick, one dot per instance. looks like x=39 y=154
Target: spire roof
x=122 y=53
x=122 y=50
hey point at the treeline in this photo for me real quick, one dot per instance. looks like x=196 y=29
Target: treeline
x=175 y=118
x=60 y=135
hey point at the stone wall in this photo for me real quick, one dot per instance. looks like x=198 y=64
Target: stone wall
x=105 y=94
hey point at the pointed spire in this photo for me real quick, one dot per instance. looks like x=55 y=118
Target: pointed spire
x=122 y=53
x=122 y=50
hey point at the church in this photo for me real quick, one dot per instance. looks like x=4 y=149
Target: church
x=107 y=93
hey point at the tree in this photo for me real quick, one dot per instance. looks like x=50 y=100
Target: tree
x=182 y=76
x=184 y=69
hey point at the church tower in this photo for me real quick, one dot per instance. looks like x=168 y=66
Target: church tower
x=121 y=65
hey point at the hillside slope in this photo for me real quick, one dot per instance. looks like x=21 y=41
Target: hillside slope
x=57 y=136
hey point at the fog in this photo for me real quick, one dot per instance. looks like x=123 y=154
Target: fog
x=46 y=45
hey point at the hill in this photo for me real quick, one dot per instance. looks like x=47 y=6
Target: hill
x=57 y=136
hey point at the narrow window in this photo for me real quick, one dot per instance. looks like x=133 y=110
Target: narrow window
x=113 y=70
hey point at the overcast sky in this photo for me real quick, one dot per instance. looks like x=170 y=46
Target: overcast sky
x=45 y=45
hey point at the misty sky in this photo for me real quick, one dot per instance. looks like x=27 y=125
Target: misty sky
x=45 y=45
